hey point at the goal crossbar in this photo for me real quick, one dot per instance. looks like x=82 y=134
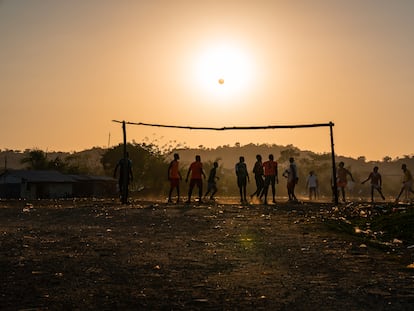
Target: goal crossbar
x=224 y=128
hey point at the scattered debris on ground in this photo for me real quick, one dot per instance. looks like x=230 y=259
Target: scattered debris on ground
x=97 y=254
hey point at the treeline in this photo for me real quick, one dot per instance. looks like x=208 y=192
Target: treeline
x=150 y=165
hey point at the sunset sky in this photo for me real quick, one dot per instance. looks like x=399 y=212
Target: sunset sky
x=67 y=68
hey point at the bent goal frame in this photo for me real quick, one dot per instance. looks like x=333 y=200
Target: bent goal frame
x=232 y=128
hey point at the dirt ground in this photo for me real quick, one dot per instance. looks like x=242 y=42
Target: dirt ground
x=84 y=255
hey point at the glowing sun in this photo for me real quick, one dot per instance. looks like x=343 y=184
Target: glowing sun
x=224 y=63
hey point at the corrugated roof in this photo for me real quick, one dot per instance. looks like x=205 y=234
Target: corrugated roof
x=92 y=178
x=13 y=176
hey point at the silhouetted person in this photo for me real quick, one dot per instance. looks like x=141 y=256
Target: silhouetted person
x=258 y=175
x=292 y=179
x=196 y=170
x=211 y=182
x=407 y=183
x=376 y=183
x=125 y=176
x=174 y=176
x=271 y=178
x=242 y=178
x=312 y=185
x=341 y=179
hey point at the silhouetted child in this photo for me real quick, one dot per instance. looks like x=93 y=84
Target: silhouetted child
x=242 y=178
x=125 y=176
x=258 y=176
x=407 y=183
x=292 y=179
x=341 y=179
x=211 y=186
x=376 y=183
x=312 y=185
x=174 y=177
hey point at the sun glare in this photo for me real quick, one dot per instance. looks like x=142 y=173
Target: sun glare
x=224 y=72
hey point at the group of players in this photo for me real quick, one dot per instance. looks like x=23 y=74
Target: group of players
x=375 y=179
x=266 y=176
x=265 y=173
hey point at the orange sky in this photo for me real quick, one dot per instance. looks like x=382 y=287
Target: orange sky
x=67 y=68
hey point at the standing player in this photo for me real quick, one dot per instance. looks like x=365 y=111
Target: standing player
x=292 y=179
x=341 y=179
x=271 y=178
x=196 y=170
x=125 y=176
x=242 y=178
x=258 y=176
x=312 y=185
x=174 y=176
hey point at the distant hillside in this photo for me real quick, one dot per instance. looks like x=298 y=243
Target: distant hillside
x=90 y=161
x=228 y=156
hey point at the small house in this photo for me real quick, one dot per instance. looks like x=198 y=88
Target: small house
x=34 y=184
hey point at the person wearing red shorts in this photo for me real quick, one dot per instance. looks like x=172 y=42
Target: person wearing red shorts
x=174 y=177
x=341 y=179
x=271 y=178
x=196 y=170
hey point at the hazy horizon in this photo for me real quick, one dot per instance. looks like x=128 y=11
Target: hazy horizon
x=167 y=151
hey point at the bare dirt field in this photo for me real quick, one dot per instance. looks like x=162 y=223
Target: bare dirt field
x=100 y=255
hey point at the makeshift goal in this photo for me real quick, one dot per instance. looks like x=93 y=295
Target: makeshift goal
x=232 y=128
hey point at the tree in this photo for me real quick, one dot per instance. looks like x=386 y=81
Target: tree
x=387 y=159
x=36 y=159
x=362 y=159
x=57 y=164
x=149 y=166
